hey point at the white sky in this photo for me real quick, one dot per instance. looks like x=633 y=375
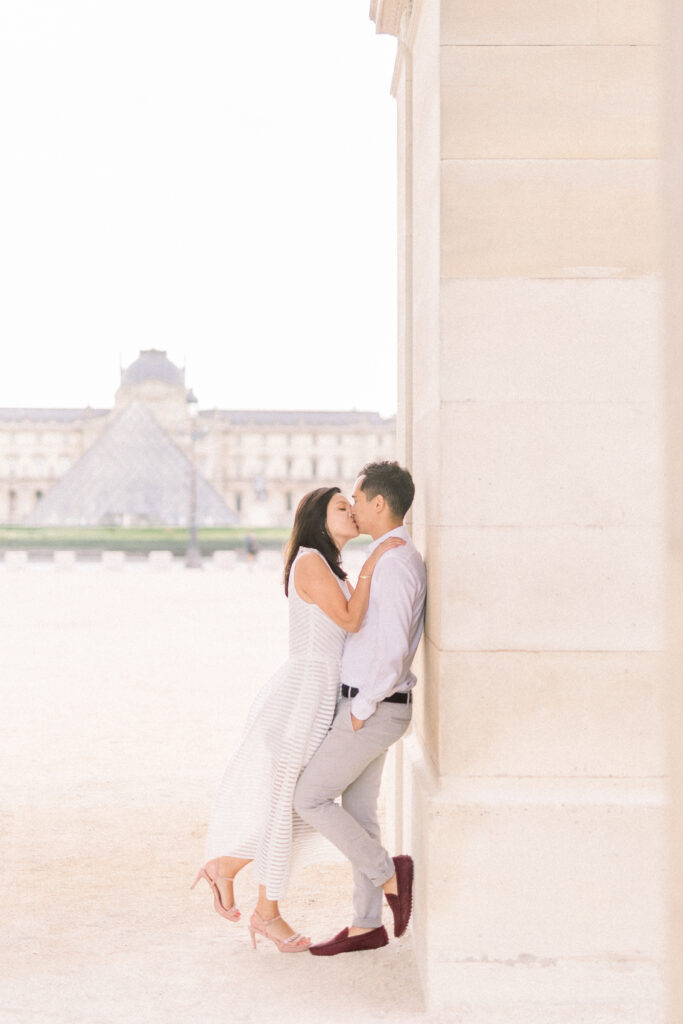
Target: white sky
x=211 y=177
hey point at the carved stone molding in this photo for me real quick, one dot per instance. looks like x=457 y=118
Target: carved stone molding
x=396 y=18
x=387 y=14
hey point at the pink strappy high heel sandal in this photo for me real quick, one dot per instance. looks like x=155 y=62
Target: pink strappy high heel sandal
x=296 y=943
x=211 y=872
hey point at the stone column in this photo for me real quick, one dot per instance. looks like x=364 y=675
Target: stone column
x=530 y=417
x=673 y=206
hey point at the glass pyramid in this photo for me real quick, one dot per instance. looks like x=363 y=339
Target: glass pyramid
x=134 y=474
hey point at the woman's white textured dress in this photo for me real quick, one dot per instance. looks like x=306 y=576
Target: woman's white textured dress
x=253 y=814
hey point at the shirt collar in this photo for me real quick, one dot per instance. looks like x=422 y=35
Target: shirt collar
x=398 y=531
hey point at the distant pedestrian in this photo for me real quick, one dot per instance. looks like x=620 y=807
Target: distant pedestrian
x=251 y=547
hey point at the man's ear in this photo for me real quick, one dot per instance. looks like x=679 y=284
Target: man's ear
x=380 y=503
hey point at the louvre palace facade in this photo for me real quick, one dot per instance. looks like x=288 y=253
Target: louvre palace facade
x=132 y=464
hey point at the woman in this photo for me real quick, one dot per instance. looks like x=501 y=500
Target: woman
x=253 y=819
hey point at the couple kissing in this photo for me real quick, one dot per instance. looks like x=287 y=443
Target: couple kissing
x=321 y=727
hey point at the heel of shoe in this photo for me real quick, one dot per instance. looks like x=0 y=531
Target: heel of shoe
x=200 y=874
x=211 y=872
x=252 y=932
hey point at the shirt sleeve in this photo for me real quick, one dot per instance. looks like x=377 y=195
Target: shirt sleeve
x=394 y=594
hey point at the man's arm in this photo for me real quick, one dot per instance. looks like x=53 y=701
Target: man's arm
x=395 y=590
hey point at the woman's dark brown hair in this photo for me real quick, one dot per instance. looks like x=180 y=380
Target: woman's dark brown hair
x=310 y=531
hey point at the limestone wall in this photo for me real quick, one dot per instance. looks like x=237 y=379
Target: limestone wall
x=529 y=234
x=673 y=320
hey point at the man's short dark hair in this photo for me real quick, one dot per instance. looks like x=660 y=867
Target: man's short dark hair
x=392 y=481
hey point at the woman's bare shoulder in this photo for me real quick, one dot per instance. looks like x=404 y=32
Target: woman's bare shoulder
x=311 y=575
x=311 y=563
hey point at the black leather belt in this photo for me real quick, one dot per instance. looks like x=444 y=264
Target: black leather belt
x=396 y=698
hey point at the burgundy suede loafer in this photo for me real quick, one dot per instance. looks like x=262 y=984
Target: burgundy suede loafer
x=402 y=904
x=345 y=943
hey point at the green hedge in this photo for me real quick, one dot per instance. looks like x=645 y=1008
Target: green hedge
x=118 y=538
x=142 y=539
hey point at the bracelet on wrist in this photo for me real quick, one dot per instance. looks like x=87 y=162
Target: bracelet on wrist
x=366 y=576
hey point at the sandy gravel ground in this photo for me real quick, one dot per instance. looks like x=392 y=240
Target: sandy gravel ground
x=122 y=694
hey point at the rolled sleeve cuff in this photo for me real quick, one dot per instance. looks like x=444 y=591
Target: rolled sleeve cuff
x=361 y=708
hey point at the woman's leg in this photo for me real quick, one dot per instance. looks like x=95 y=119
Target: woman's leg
x=268 y=911
x=227 y=869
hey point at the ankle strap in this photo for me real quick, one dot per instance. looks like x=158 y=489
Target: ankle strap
x=263 y=920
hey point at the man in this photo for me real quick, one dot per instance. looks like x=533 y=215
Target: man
x=374 y=711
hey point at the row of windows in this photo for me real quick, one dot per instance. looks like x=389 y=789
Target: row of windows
x=37 y=466
x=35 y=439
x=276 y=467
x=27 y=438
x=307 y=441
x=238 y=499
x=14 y=504
x=12 y=501
x=313 y=468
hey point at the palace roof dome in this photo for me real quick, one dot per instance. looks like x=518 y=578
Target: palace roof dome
x=153 y=364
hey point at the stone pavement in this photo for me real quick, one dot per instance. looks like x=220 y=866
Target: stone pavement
x=123 y=689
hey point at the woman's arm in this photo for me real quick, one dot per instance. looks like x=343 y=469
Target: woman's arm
x=316 y=584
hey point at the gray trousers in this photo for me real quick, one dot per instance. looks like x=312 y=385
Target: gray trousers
x=350 y=764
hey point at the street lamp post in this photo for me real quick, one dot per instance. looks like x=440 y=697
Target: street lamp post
x=193 y=556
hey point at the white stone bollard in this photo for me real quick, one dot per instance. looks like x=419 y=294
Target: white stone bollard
x=160 y=560
x=16 y=559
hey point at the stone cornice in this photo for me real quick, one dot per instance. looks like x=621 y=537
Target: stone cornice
x=386 y=15
x=397 y=18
